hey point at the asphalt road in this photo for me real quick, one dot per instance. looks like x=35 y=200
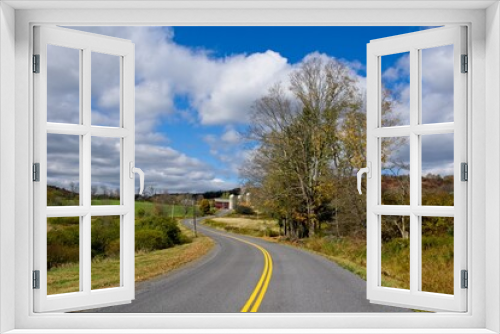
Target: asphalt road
x=228 y=277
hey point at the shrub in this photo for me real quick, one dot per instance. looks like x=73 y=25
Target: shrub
x=58 y=254
x=63 y=245
x=141 y=212
x=243 y=210
x=105 y=230
x=113 y=249
x=148 y=240
x=159 y=209
x=171 y=234
x=271 y=233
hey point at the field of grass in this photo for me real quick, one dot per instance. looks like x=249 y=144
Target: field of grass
x=147 y=265
x=150 y=207
x=350 y=253
x=245 y=225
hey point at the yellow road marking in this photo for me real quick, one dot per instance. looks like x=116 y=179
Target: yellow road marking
x=255 y=306
x=264 y=280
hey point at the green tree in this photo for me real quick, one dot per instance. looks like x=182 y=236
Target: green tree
x=205 y=206
x=297 y=136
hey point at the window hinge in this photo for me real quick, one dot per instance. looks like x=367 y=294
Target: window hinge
x=36 y=279
x=36 y=63
x=465 y=64
x=465 y=279
x=464 y=172
x=36 y=172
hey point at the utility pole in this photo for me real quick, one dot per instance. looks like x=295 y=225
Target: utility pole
x=194 y=219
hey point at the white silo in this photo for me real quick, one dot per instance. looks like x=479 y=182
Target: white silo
x=232 y=202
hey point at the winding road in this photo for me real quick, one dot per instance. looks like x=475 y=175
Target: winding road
x=245 y=274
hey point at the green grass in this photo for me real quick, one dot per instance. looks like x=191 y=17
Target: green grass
x=150 y=207
x=105 y=272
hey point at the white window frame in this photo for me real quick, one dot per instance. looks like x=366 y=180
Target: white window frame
x=414 y=43
x=86 y=44
x=484 y=212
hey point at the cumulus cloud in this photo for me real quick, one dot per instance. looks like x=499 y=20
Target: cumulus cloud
x=231 y=136
x=63 y=85
x=219 y=92
x=437 y=84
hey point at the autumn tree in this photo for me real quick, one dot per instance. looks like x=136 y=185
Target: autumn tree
x=297 y=132
x=205 y=206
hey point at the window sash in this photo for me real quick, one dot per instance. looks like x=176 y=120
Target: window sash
x=87 y=43
x=412 y=43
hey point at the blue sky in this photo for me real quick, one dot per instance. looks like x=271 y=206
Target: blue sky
x=293 y=43
x=195 y=85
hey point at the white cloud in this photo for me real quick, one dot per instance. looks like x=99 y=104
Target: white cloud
x=231 y=136
x=219 y=90
x=437 y=84
x=400 y=70
x=241 y=80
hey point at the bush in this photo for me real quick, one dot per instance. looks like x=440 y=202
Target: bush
x=159 y=209
x=59 y=254
x=63 y=245
x=170 y=232
x=105 y=230
x=243 y=210
x=148 y=240
x=271 y=233
x=152 y=233
x=141 y=213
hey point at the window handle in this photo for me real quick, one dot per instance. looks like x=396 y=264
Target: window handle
x=368 y=171
x=134 y=170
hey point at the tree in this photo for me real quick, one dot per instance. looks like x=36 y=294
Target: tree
x=205 y=206
x=310 y=140
x=297 y=136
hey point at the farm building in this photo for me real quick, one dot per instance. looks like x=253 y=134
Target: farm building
x=221 y=203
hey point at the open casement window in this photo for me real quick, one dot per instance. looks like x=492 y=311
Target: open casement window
x=426 y=86
x=82 y=145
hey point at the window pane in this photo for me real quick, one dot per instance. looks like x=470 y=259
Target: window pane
x=105 y=90
x=63 y=255
x=105 y=189
x=437 y=254
x=395 y=108
x=105 y=252
x=437 y=169
x=395 y=155
x=395 y=252
x=63 y=170
x=63 y=85
x=437 y=84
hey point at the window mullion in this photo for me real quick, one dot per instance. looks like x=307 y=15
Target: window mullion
x=85 y=159
x=414 y=169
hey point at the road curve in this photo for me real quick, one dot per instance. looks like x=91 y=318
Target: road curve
x=225 y=279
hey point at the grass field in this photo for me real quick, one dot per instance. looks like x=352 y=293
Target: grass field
x=149 y=207
x=147 y=265
x=243 y=225
x=350 y=253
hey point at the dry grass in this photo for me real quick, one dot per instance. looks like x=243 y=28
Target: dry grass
x=147 y=265
x=249 y=226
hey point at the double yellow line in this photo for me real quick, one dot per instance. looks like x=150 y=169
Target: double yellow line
x=261 y=288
